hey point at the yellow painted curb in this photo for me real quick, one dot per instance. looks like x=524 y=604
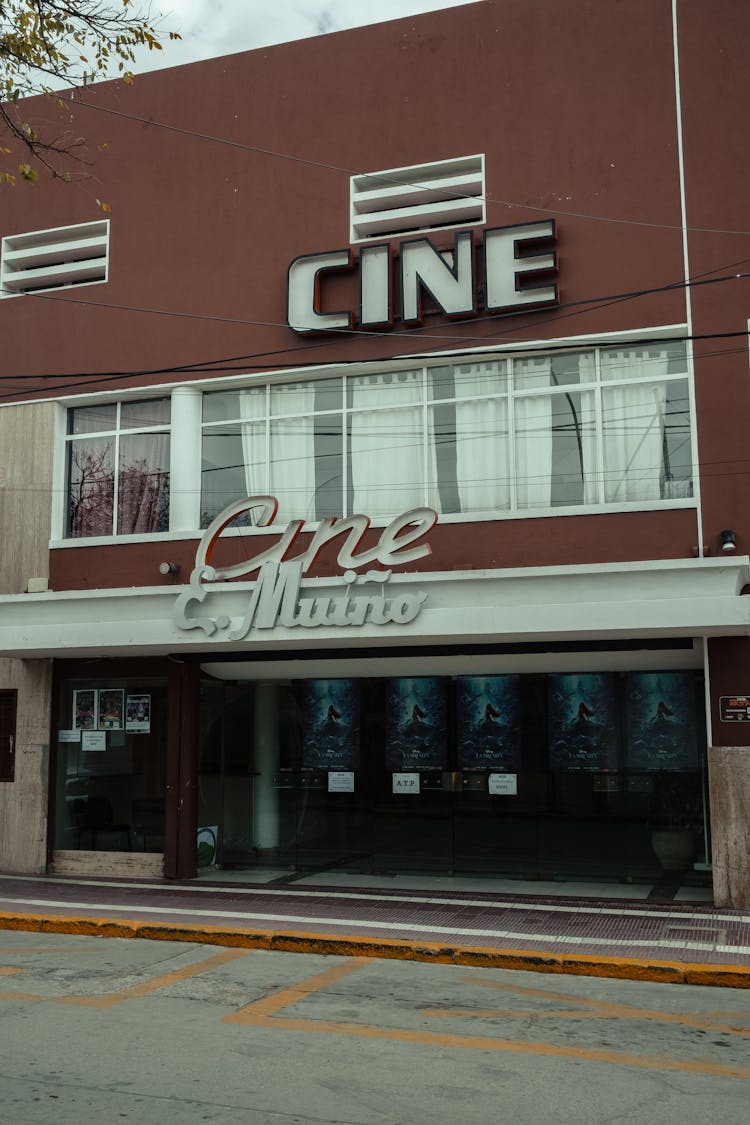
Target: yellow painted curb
x=624 y=968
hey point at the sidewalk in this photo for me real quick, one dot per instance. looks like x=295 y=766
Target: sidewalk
x=611 y=935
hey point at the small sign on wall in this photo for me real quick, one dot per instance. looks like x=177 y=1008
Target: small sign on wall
x=734 y=708
x=405 y=782
x=503 y=784
x=340 y=781
x=93 y=740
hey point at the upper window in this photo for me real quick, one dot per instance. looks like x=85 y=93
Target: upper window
x=54 y=259
x=420 y=198
x=118 y=468
x=534 y=432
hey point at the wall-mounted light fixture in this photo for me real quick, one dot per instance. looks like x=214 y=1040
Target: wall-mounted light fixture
x=728 y=540
x=168 y=568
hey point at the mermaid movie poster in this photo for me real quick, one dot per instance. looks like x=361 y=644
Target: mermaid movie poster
x=330 y=724
x=661 y=725
x=488 y=723
x=415 y=724
x=583 y=727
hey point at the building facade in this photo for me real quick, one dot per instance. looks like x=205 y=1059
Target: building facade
x=373 y=474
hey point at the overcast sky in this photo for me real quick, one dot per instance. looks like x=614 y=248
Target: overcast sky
x=219 y=27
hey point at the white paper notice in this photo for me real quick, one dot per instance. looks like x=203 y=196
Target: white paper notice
x=341 y=781
x=504 y=784
x=93 y=740
x=405 y=782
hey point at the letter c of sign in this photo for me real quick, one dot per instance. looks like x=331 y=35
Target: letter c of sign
x=303 y=292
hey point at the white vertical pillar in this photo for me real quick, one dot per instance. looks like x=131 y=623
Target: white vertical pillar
x=185 y=460
x=265 y=795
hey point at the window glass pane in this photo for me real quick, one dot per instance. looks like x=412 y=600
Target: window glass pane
x=442 y=489
x=299 y=398
x=533 y=372
x=91 y=485
x=143 y=484
x=636 y=363
x=222 y=471
x=151 y=412
x=292 y=468
x=441 y=383
x=92 y=419
x=573 y=449
x=471 y=442
x=391 y=388
x=387 y=460
x=634 y=420
x=678 y=464
x=555 y=450
x=329 y=476
x=474 y=380
x=223 y=406
x=572 y=367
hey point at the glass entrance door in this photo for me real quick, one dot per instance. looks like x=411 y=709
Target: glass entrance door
x=548 y=776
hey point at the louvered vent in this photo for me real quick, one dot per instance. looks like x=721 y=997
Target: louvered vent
x=54 y=259
x=423 y=197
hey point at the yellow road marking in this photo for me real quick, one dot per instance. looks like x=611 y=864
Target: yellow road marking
x=604 y=1009
x=155 y=983
x=261 y=1009
x=480 y=1043
x=263 y=1013
x=9 y=971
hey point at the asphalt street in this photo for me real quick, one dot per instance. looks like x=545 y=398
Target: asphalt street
x=98 y=1029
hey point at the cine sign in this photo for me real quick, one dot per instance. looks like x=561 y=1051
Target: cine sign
x=516 y=275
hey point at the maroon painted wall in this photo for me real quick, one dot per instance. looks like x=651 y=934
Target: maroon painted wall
x=558 y=541
x=548 y=91
x=573 y=104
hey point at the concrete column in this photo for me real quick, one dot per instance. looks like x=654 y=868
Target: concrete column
x=23 y=801
x=184 y=460
x=265 y=795
x=729 y=790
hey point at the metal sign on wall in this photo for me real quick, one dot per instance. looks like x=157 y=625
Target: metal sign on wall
x=734 y=708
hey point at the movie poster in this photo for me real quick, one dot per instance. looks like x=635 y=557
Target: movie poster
x=138 y=713
x=661 y=721
x=488 y=723
x=415 y=724
x=329 y=711
x=583 y=727
x=111 y=708
x=84 y=709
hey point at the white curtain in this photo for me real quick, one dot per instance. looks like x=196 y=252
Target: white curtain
x=289 y=473
x=533 y=433
x=481 y=442
x=387 y=446
x=633 y=419
x=292 y=467
x=253 y=431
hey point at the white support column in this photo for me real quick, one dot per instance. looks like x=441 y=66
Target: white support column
x=265 y=795
x=185 y=460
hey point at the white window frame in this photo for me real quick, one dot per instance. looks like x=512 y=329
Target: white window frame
x=115 y=433
x=186 y=433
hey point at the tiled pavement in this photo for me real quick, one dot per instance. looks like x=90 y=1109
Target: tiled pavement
x=616 y=935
